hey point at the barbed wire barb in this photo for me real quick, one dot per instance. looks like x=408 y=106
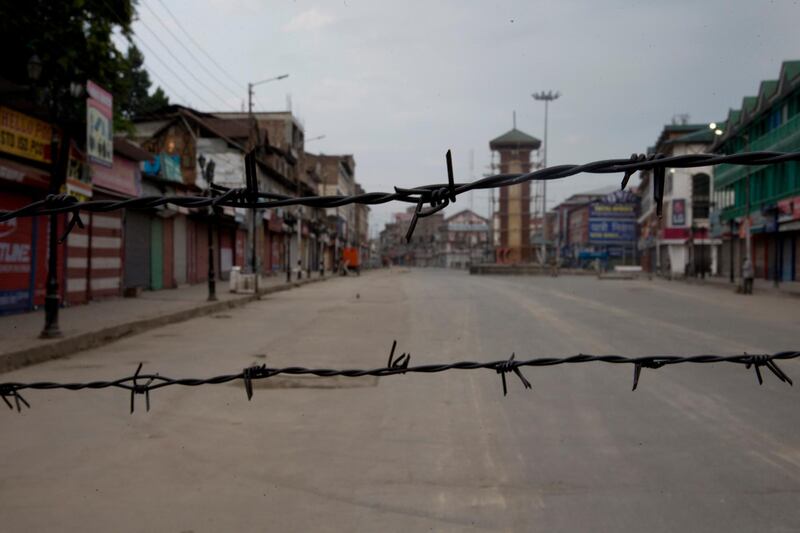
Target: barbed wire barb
x=438 y=195
x=396 y=366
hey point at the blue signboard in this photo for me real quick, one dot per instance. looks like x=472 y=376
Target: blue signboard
x=610 y=230
x=165 y=166
x=603 y=210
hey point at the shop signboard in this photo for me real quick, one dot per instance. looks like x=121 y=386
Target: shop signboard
x=165 y=166
x=16 y=257
x=99 y=125
x=25 y=136
x=678 y=212
x=124 y=177
x=613 y=220
x=603 y=210
x=789 y=209
x=79 y=183
x=605 y=231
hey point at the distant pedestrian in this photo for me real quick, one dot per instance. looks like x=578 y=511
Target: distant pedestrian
x=747 y=276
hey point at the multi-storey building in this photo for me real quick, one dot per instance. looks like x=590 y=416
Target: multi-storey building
x=424 y=250
x=679 y=243
x=464 y=240
x=289 y=236
x=362 y=228
x=598 y=224
x=337 y=178
x=762 y=202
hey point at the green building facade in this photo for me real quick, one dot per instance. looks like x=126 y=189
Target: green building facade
x=764 y=200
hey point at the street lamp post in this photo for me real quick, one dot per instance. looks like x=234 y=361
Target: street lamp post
x=207 y=169
x=718 y=132
x=52 y=301
x=546 y=97
x=253 y=84
x=254 y=212
x=59 y=155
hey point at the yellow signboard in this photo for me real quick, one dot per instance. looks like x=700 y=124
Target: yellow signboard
x=25 y=136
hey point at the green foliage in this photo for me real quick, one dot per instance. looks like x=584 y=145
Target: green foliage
x=73 y=40
x=133 y=92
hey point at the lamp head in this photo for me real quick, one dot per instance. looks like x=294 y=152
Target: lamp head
x=210 y=171
x=34 y=68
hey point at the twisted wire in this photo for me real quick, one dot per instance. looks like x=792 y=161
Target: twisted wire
x=438 y=195
x=396 y=366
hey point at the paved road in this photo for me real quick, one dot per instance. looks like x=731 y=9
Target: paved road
x=700 y=448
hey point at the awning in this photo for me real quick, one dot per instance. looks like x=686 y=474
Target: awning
x=790 y=226
x=24 y=174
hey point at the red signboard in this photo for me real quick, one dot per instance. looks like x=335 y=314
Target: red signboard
x=675 y=233
x=789 y=209
x=123 y=177
x=16 y=256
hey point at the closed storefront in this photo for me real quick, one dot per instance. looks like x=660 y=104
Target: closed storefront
x=179 y=249
x=156 y=254
x=105 y=257
x=137 y=249
x=116 y=242
x=197 y=240
x=24 y=242
x=169 y=257
x=241 y=242
x=226 y=241
x=18 y=261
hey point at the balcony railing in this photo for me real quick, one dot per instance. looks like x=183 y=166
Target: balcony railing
x=784 y=138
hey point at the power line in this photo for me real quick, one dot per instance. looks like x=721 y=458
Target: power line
x=133 y=36
x=177 y=22
x=181 y=63
x=180 y=42
x=166 y=65
x=162 y=82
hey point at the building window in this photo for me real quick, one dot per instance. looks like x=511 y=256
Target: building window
x=701 y=195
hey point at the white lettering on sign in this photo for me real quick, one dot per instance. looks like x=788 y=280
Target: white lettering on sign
x=15 y=252
x=8 y=227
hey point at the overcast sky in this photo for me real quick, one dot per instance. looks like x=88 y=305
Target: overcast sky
x=398 y=83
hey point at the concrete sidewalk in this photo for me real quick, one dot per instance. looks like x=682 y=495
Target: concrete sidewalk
x=102 y=322
x=760 y=286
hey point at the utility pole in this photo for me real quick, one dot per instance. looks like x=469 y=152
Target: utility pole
x=731 y=254
x=207 y=169
x=254 y=212
x=546 y=97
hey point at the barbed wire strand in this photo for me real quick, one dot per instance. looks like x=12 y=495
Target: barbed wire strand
x=438 y=196
x=396 y=366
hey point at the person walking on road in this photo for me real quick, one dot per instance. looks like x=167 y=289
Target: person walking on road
x=747 y=276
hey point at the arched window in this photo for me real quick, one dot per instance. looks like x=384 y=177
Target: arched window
x=701 y=195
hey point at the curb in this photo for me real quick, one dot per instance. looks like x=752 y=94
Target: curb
x=59 y=348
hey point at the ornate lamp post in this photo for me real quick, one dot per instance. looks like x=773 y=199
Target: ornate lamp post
x=207 y=169
x=59 y=154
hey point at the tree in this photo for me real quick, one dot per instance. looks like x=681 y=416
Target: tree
x=134 y=91
x=73 y=41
